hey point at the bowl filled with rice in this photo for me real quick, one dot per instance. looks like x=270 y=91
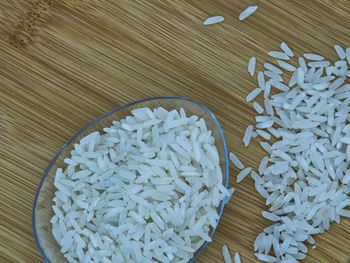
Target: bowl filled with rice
x=145 y=182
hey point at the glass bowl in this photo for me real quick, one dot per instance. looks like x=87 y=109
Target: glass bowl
x=42 y=208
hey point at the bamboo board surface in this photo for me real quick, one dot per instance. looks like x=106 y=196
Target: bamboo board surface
x=64 y=63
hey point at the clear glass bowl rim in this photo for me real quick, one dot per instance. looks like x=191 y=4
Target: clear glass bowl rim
x=108 y=113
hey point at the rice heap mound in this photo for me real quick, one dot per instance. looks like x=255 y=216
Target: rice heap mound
x=146 y=190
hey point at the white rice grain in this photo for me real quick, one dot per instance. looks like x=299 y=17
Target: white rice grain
x=267 y=89
x=271 y=216
x=258 y=108
x=264 y=134
x=278 y=55
x=340 y=51
x=242 y=174
x=234 y=159
x=286 y=65
x=347 y=53
x=265 y=258
x=247 y=135
x=247 y=12
x=272 y=68
x=286 y=49
x=226 y=254
x=252 y=95
x=237 y=258
x=311 y=56
x=251 y=66
x=261 y=80
x=213 y=20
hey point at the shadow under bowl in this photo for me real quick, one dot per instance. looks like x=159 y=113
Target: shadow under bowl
x=43 y=202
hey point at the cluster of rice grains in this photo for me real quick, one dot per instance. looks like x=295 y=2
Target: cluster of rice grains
x=146 y=190
x=305 y=175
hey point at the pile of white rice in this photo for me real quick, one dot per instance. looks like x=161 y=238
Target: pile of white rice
x=305 y=175
x=146 y=190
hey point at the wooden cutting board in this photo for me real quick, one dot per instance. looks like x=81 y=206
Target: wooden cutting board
x=64 y=63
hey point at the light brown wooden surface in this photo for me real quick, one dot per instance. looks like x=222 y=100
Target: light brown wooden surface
x=64 y=63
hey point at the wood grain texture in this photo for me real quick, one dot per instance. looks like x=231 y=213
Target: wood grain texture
x=85 y=58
